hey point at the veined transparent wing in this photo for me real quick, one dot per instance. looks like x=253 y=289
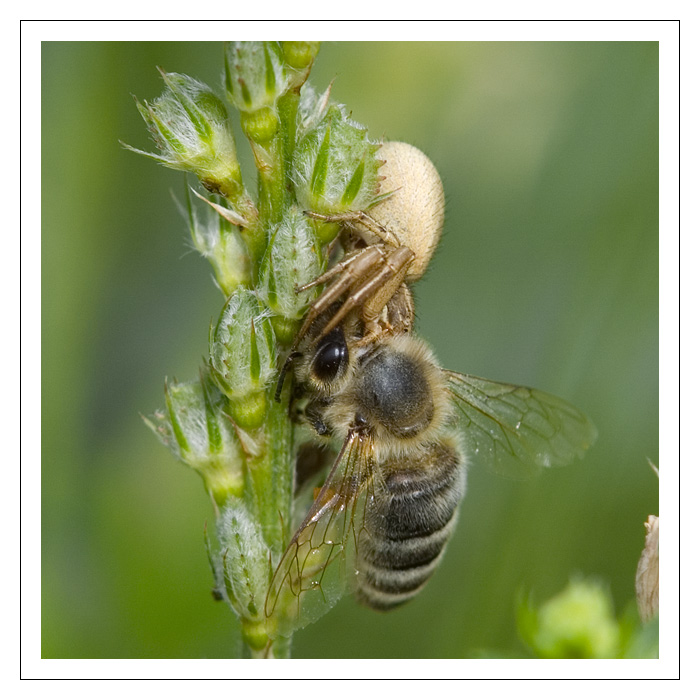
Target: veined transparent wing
x=319 y=562
x=517 y=430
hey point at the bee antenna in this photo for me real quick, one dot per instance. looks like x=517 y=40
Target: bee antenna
x=283 y=373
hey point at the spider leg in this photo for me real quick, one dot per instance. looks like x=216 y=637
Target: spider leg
x=398 y=262
x=376 y=291
x=359 y=268
x=395 y=318
x=336 y=269
x=371 y=224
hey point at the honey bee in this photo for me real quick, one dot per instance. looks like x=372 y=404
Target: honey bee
x=382 y=518
x=404 y=426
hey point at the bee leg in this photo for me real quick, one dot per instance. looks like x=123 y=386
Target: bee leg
x=314 y=415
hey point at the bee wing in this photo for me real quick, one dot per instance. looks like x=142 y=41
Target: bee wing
x=517 y=430
x=314 y=571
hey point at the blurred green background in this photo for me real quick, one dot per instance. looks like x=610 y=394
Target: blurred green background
x=547 y=275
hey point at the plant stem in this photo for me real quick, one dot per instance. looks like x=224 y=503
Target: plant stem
x=271 y=472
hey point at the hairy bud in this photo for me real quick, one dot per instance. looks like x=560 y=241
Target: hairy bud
x=199 y=433
x=293 y=258
x=243 y=356
x=335 y=168
x=189 y=124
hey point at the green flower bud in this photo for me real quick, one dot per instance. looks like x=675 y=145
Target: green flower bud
x=245 y=569
x=334 y=166
x=189 y=124
x=578 y=623
x=199 y=433
x=220 y=242
x=243 y=357
x=260 y=126
x=299 y=56
x=293 y=258
x=255 y=74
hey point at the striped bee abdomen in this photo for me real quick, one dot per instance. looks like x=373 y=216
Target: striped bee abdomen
x=408 y=525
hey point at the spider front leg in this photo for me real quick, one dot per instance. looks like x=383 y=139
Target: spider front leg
x=373 y=296
x=345 y=263
x=359 y=217
x=349 y=272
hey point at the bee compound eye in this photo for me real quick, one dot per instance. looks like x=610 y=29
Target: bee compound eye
x=330 y=360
